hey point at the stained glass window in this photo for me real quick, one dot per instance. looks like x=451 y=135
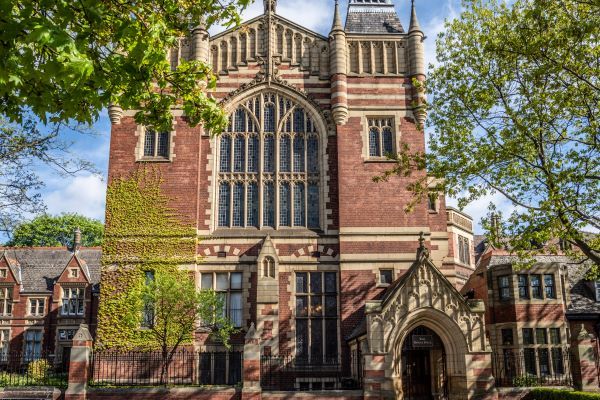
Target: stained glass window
x=269 y=205
x=269 y=154
x=284 y=154
x=225 y=162
x=299 y=153
x=313 y=154
x=253 y=153
x=381 y=137
x=239 y=153
x=224 y=204
x=238 y=205
x=284 y=204
x=252 y=219
x=299 y=210
x=272 y=146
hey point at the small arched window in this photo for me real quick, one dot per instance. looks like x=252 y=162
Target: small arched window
x=381 y=137
x=268 y=267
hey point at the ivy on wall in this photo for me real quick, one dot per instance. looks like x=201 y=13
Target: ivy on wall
x=142 y=234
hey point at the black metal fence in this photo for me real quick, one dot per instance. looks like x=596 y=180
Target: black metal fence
x=151 y=369
x=32 y=369
x=532 y=367
x=298 y=374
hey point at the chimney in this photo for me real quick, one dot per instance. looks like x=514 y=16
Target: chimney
x=76 y=240
x=496 y=228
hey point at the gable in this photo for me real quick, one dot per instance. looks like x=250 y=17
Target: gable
x=9 y=270
x=75 y=271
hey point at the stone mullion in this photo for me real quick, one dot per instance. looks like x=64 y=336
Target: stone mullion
x=397 y=56
x=261 y=162
x=372 y=57
x=305 y=172
x=238 y=50
x=359 y=56
x=276 y=180
x=384 y=57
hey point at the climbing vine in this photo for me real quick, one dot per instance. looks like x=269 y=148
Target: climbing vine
x=143 y=233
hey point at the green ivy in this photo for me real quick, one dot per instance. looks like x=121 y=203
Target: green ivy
x=142 y=233
x=556 y=394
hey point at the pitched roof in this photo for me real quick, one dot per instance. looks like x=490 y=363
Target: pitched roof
x=373 y=19
x=41 y=266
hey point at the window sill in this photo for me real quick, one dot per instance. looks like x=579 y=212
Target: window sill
x=383 y=285
x=255 y=232
x=379 y=160
x=154 y=160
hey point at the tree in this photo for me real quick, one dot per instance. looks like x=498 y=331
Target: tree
x=515 y=111
x=48 y=230
x=23 y=149
x=65 y=60
x=172 y=309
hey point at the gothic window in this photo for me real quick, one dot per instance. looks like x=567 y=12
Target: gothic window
x=268 y=268
x=228 y=287
x=269 y=172
x=156 y=144
x=381 y=137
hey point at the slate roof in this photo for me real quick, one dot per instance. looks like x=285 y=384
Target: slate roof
x=373 y=19
x=41 y=267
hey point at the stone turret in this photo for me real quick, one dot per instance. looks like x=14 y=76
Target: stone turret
x=417 y=64
x=200 y=43
x=338 y=59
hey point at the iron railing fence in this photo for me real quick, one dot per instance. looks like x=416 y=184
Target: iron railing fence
x=546 y=366
x=32 y=368
x=286 y=373
x=186 y=368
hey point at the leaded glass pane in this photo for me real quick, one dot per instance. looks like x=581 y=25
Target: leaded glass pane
x=149 y=143
x=284 y=205
x=299 y=211
x=316 y=282
x=284 y=154
x=316 y=341
x=374 y=142
x=388 y=141
x=225 y=153
x=302 y=282
x=239 y=154
x=163 y=145
x=302 y=339
x=224 y=199
x=253 y=153
x=269 y=205
x=269 y=118
x=252 y=219
x=331 y=340
x=238 y=205
x=269 y=162
x=298 y=120
x=240 y=120
x=313 y=154
x=299 y=153
x=313 y=206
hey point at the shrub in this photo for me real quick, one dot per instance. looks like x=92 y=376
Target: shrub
x=525 y=381
x=38 y=370
x=555 y=394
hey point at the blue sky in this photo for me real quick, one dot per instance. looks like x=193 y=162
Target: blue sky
x=85 y=193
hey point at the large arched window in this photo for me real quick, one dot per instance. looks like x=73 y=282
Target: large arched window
x=269 y=173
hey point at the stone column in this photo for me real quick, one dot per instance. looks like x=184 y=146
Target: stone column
x=79 y=364
x=251 y=368
x=377 y=374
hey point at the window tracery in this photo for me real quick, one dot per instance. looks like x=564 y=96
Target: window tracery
x=269 y=172
x=381 y=137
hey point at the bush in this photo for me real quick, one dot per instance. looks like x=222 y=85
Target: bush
x=555 y=394
x=525 y=381
x=38 y=370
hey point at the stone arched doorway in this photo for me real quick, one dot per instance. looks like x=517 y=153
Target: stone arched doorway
x=423 y=366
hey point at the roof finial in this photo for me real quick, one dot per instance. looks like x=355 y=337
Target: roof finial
x=270 y=6
x=337 y=19
x=414 y=21
x=422 y=250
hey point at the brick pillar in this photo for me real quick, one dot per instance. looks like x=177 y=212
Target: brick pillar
x=251 y=371
x=586 y=368
x=79 y=364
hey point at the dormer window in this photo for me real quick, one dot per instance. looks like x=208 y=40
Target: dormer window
x=268 y=268
x=73 y=302
x=3 y=273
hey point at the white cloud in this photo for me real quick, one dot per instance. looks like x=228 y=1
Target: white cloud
x=478 y=209
x=84 y=194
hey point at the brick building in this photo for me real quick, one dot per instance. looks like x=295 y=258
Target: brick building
x=542 y=321
x=45 y=295
x=317 y=262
